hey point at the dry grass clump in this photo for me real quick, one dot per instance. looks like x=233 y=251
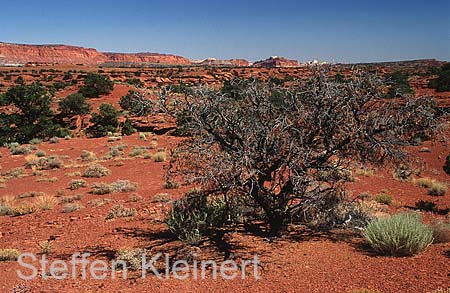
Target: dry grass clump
x=434 y=187
x=160 y=156
x=138 y=151
x=119 y=211
x=43 y=163
x=123 y=186
x=73 y=174
x=98 y=202
x=87 y=156
x=14 y=173
x=441 y=231
x=9 y=254
x=72 y=207
x=17 y=149
x=51 y=179
x=100 y=189
x=40 y=153
x=46 y=202
x=23 y=209
x=383 y=198
x=365 y=172
x=115 y=187
x=69 y=199
x=46 y=247
x=135 y=197
x=77 y=184
x=161 y=197
x=96 y=171
x=132 y=257
x=142 y=136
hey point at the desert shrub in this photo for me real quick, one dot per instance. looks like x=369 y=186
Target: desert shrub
x=403 y=172
x=73 y=174
x=87 y=156
x=53 y=140
x=365 y=172
x=119 y=211
x=43 y=163
x=434 y=187
x=142 y=136
x=14 y=173
x=106 y=120
x=40 y=153
x=135 y=197
x=132 y=258
x=383 y=198
x=272 y=143
x=169 y=184
x=70 y=199
x=46 y=247
x=96 y=85
x=426 y=205
x=72 y=207
x=100 y=189
x=136 y=103
x=441 y=231
x=123 y=186
x=23 y=209
x=127 y=127
x=74 y=104
x=160 y=156
x=77 y=183
x=115 y=151
x=437 y=188
x=98 y=202
x=35 y=141
x=96 y=171
x=46 y=202
x=137 y=151
x=9 y=254
x=51 y=179
x=399 y=84
x=20 y=150
x=195 y=216
x=161 y=197
x=402 y=234
x=442 y=82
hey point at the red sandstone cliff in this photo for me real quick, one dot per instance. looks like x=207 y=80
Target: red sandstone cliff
x=276 y=62
x=62 y=54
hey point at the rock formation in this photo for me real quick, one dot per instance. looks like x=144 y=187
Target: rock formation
x=276 y=61
x=63 y=54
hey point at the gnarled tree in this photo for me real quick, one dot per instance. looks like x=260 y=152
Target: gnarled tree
x=287 y=149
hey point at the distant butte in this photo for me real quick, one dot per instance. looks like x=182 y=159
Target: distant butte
x=19 y=54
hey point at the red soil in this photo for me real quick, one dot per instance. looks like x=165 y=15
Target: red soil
x=299 y=262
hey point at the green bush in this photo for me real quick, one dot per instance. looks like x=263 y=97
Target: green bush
x=103 y=122
x=442 y=82
x=400 y=85
x=34 y=118
x=74 y=104
x=96 y=85
x=195 y=216
x=402 y=234
x=447 y=165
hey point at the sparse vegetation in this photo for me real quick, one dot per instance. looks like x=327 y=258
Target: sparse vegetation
x=434 y=187
x=119 y=211
x=96 y=171
x=77 y=183
x=441 y=231
x=72 y=207
x=9 y=254
x=398 y=235
x=383 y=198
x=96 y=85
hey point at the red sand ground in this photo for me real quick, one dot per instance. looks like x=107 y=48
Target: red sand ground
x=299 y=262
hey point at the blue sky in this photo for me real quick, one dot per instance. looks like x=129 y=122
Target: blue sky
x=340 y=31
